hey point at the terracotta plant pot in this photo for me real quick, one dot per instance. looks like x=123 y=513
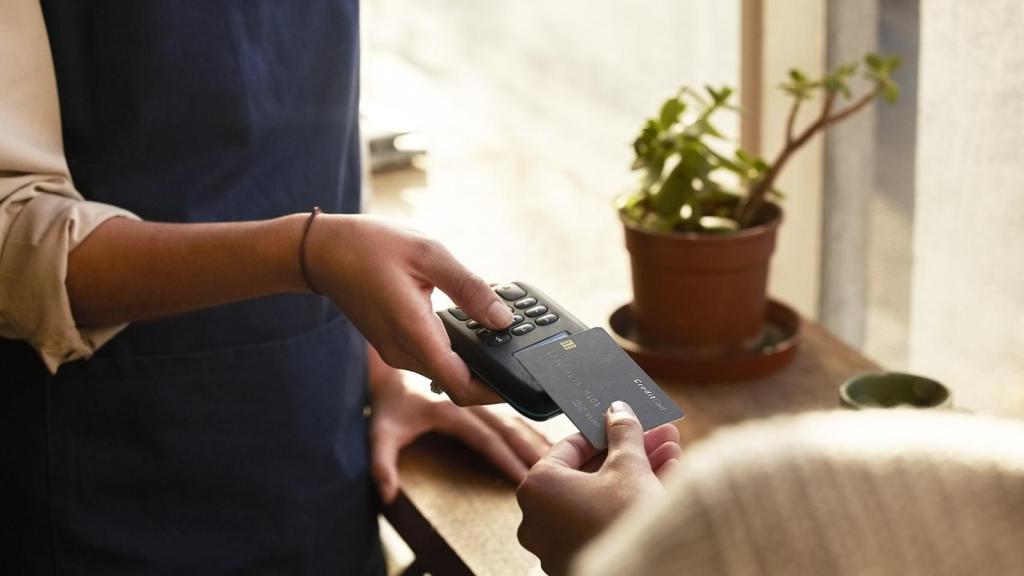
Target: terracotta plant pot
x=702 y=291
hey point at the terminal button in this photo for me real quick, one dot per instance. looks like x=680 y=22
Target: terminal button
x=536 y=311
x=546 y=319
x=510 y=291
x=526 y=303
x=522 y=329
x=458 y=313
x=499 y=339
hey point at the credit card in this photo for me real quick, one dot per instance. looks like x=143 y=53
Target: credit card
x=585 y=372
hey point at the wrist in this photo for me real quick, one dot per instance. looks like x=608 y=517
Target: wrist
x=327 y=267
x=279 y=245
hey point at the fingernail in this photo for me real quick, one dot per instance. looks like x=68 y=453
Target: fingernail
x=498 y=314
x=620 y=407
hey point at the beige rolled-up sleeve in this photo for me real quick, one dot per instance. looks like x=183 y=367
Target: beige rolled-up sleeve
x=42 y=216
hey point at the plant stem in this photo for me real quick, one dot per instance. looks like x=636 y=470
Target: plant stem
x=748 y=209
x=791 y=121
x=853 y=108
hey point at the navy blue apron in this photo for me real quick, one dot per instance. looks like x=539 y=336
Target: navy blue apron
x=230 y=440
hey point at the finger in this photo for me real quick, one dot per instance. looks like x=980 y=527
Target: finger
x=595 y=463
x=473 y=432
x=625 y=436
x=483 y=394
x=662 y=454
x=666 y=469
x=384 y=465
x=516 y=433
x=572 y=452
x=539 y=436
x=655 y=437
x=479 y=394
x=466 y=289
x=535 y=435
x=474 y=393
x=427 y=341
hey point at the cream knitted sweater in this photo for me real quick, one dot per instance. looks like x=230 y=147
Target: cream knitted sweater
x=875 y=492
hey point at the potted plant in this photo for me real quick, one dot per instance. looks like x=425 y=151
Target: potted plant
x=700 y=226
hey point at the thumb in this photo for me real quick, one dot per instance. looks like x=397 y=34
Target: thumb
x=384 y=466
x=625 y=437
x=467 y=290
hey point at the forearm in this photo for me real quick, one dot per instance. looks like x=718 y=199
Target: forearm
x=379 y=275
x=127 y=270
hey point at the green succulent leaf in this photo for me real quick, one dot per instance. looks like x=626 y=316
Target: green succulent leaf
x=726 y=163
x=891 y=92
x=837 y=83
x=670 y=112
x=674 y=192
x=701 y=128
x=744 y=156
x=848 y=70
x=720 y=95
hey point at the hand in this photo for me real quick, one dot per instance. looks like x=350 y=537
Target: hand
x=564 y=505
x=400 y=415
x=381 y=277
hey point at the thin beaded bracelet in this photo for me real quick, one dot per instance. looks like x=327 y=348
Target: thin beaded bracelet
x=302 y=250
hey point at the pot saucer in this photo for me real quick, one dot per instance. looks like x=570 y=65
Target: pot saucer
x=777 y=347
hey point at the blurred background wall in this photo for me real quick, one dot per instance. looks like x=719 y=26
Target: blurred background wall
x=590 y=68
